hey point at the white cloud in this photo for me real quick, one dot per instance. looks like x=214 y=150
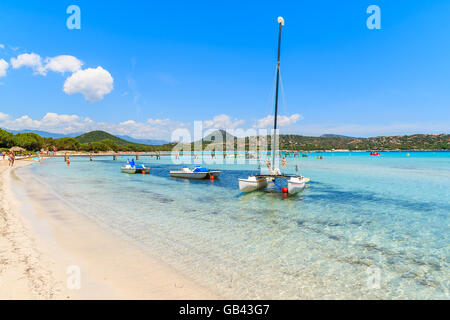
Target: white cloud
x=64 y=123
x=93 y=84
x=2 y=46
x=31 y=60
x=3 y=66
x=222 y=121
x=163 y=128
x=63 y=63
x=3 y=117
x=282 y=121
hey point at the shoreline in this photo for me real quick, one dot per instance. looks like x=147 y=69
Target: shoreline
x=47 y=245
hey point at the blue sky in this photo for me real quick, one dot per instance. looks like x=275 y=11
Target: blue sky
x=166 y=64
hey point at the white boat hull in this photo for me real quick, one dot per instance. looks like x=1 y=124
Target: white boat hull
x=134 y=170
x=252 y=184
x=128 y=170
x=188 y=175
x=297 y=184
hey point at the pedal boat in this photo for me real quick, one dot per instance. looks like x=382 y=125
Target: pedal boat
x=139 y=168
x=197 y=173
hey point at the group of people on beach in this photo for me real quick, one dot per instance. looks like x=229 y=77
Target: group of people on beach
x=11 y=158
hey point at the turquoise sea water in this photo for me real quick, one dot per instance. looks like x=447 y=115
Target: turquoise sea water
x=366 y=226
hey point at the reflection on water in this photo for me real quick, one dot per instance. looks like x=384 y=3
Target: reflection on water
x=358 y=212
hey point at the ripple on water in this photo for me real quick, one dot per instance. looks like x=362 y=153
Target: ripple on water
x=357 y=213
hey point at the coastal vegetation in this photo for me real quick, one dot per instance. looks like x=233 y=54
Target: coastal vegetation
x=98 y=141
x=94 y=141
x=330 y=142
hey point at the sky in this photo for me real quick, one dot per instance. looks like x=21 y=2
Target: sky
x=146 y=68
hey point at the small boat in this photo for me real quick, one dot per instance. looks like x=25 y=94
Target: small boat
x=374 y=154
x=131 y=167
x=197 y=173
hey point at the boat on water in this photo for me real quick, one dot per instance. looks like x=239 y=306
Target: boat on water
x=374 y=153
x=131 y=167
x=197 y=173
x=295 y=183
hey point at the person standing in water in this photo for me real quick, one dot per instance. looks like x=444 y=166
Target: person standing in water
x=13 y=157
x=68 y=161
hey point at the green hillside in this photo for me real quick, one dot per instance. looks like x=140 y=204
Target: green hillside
x=97 y=136
x=334 y=142
x=412 y=142
x=111 y=142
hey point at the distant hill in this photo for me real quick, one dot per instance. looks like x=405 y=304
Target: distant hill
x=330 y=135
x=287 y=141
x=412 y=142
x=98 y=135
x=143 y=141
x=338 y=142
x=46 y=134
x=217 y=135
x=54 y=135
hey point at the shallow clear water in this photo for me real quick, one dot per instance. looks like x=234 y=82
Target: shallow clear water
x=366 y=227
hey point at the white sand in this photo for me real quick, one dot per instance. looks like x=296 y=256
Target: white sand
x=41 y=238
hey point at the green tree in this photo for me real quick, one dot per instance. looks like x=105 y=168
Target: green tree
x=6 y=139
x=29 y=141
x=67 y=144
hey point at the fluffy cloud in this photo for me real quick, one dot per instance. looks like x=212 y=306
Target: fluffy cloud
x=31 y=60
x=282 y=121
x=3 y=117
x=93 y=84
x=52 y=122
x=2 y=46
x=3 y=66
x=64 y=123
x=222 y=121
x=63 y=63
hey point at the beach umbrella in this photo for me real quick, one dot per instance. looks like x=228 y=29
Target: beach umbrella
x=17 y=149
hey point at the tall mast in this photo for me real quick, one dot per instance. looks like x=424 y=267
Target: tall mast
x=281 y=23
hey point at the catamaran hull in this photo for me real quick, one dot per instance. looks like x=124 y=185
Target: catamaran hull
x=296 y=185
x=249 y=185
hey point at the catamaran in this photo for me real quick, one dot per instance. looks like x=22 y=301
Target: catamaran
x=296 y=183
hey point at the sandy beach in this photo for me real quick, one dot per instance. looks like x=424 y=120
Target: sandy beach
x=49 y=251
